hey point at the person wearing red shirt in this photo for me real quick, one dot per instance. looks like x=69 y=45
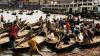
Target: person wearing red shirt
x=67 y=26
x=13 y=33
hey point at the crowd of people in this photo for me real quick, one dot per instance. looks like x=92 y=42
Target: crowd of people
x=70 y=26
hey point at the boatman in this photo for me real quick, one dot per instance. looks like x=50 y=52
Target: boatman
x=2 y=19
x=35 y=41
x=13 y=34
x=18 y=21
x=61 y=23
x=1 y=25
x=1 y=22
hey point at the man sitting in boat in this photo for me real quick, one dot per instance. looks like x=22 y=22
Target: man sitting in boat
x=13 y=33
x=66 y=39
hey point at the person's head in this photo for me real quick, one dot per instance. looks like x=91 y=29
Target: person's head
x=60 y=18
x=16 y=16
x=20 y=19
x=15 y=22
x=57 y=19
x=85 y=24
x=90 y=26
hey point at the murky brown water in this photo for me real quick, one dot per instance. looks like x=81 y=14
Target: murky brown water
x=76 y=52
x=82 y=52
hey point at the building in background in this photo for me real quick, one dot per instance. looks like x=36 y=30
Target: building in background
x=74 y=6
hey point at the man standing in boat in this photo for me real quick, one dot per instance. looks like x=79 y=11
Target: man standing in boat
x=18 y=21
x=41 y=21
x=2 y=19
x=67 y=26
x=61 y=23
x=13 y=33
x=1 y=22
x=76 y=32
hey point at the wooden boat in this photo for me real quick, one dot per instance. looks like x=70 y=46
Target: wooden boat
x=4 y=37
x=20 y=12
x=23 y=45
x=51 y=39
x=14 y=13
x=61 y=47
x=23 y=33
x=58 y=46
x=29 y=13
x=86 y=44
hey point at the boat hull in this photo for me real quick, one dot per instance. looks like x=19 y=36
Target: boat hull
x=85 y=46
x=69 y=48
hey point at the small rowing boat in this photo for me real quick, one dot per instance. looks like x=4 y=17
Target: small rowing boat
x=23 y=44
x=89 y=44
x=61 y=47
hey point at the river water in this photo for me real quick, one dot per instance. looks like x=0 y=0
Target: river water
x=76 y=52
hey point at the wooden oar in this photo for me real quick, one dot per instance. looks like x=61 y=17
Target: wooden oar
x=26 y=38
x=22 y=29
x=3 y=35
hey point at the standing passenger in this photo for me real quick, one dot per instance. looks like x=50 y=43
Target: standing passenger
x=67 y=26
x=2 y=19
x=61 y=23
x=13 y=34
